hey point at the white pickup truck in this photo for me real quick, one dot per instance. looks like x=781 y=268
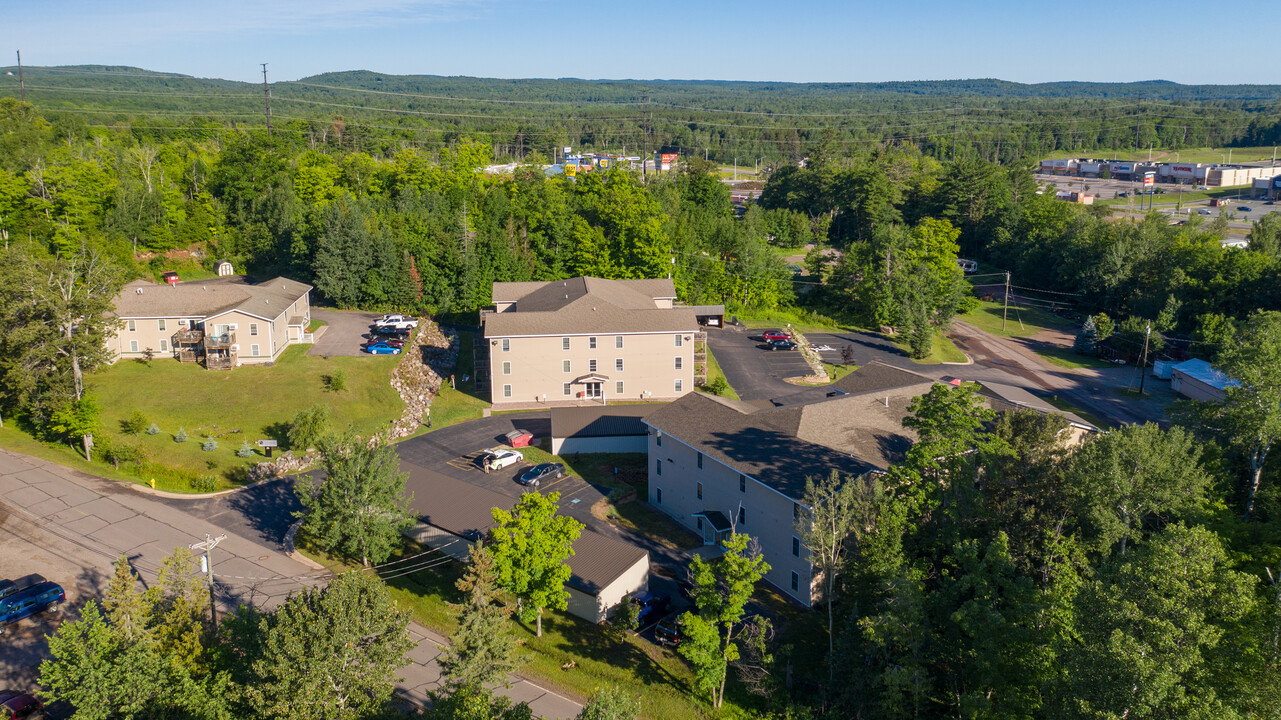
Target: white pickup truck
x=400 y=322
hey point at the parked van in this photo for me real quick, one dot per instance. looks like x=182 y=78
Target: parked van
x=44 y=596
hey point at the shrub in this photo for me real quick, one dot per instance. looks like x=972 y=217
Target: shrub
x=717 y=386
x=309 y=427
x=245 y=451
x=336 y=381
x=134 y=424
x=116 y=453
x=209 y=445
x=154 y=429
x=181 y=436
x=627 y=616
x=204 y=483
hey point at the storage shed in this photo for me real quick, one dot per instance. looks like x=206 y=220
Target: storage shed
x=1197 y=379
x=596 y=429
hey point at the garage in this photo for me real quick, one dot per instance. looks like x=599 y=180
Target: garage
x=619 y=429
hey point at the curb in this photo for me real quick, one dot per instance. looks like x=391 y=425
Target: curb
x=195 y=496
x=293 y=553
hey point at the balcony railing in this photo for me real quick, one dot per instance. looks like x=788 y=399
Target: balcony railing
x=220 y=342
x=188 y=355
x=188 y=337
x=220 y=362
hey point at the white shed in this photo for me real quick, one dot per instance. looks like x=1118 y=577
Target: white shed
x=1197 y=379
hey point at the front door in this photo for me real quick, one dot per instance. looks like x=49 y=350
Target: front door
x=593 y=390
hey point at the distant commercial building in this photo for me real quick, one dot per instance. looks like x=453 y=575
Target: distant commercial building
x=1211 y=174
x=1267 y=187
x=1199 y=380
x=1075 y=197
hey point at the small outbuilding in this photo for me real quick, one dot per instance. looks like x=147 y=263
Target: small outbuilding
x=224 y=268
x=710 y=315
x=1199 y=380
x=597 y=429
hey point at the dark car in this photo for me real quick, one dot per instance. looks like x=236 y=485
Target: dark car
x=16 y=705
x=652 y=605
x=1245 y=208
x=390 y=332
x=770 y=335
x=543 y=471
x=781 y=345
x=44 y=596
x=7 y=588
x=669 y=630
x=387 y=341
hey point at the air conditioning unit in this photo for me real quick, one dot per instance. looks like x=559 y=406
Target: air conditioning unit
x=232 y=326
x=235 y=348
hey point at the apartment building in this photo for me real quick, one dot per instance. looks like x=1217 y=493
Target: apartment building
x=588 y=341
x=221 y=322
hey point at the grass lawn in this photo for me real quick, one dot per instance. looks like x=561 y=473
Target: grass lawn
x=836 y=372
x=802 y=320
x=1022 y=321
x=601 y=656
x=1065 y=358
x=714 y=371
x=452 y=406
x=245 y=404
x=1066 y=406
x=941 y=350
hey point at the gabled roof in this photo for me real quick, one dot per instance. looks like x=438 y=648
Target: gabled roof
x=1009 y=397
x=597 y=421
x=586 y=305
x=876 y=376
x=208 y=298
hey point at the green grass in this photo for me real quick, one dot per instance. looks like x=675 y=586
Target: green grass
x=247 y=403
x=1065 y=358
x=1066 y=406
x=1022 y=321
x=941 y=350
x=452 y=406
x=836 y=372
x=1174 y=197
x=311 y=326
x=640 y=517
x=714 y=371
x=802 y=320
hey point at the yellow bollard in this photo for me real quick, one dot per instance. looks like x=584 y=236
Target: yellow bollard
x=153 y=483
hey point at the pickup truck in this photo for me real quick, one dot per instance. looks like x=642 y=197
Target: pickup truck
x=400 y=322
x=19 y=603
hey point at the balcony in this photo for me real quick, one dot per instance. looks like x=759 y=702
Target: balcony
x=188 y=337
x=188 y=354
x=220 y=342
x=220 y=362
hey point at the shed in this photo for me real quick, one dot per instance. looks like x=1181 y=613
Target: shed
x=1197 y=379
x=597 y=429
x=224 y=268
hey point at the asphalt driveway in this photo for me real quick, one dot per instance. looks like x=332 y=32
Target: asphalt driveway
x=344 y=334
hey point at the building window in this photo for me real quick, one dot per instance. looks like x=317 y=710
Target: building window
x=160 y=324
x=564 y=366
x=618 y=364
x=742 y=483
x=133 y=345
x=658 y=496
x=133 y=326
x=253 y=329
x=253 y=350
x=679 y=363
x=164 y=345
x=678 y=384
x=591 y=343
x=658 y=467
x=660 y=438
x=796 y=546
x=796 y=581
x=618 y=341
x=742 y=515
x=568 y=389
x=507 y=345
x=678 y=339
x=507 y=367
x=591 y=365
x=700 y=464
x=507 y=391
x=796 y=511
x=618 y=388
x=564 y=343
x=700 y=491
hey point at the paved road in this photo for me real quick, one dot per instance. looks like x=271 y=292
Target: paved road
x=345 y=332
x=71 y=526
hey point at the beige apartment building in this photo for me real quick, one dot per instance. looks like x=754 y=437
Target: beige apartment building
x=719 y=466
x=221 y=322
x=588 y=341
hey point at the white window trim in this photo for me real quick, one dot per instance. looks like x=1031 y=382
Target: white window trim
x=253 y=350
x=679 y=363
x=507 y=345
x=133 y=346
x=618 y=387
x=566 y=366
x=507 y=367
x=618 y=364
x=507 y=391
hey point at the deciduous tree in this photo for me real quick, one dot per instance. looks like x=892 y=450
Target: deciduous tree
x=530 y=546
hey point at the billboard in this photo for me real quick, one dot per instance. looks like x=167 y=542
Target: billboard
x=666 y=160
x=1149 y=178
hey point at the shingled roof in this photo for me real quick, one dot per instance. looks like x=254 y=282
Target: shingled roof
x=208 y=298
x=587 y=305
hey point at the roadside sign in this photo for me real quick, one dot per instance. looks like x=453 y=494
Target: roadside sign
x=267 y=443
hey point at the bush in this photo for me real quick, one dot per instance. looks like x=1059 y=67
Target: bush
x=627 y=616
x=116 y=453
x=309 y=427
x=181 y=436
x=717 y=386
x=204 y=483
x=134 y=424
x=154 y=429
x=209 y=445
x=337 y=381
x=245 y=451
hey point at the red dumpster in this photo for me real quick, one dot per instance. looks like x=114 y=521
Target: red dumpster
x=519 y=438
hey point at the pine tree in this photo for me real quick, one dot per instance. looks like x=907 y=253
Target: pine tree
x=126 y=608
x=481 y=651
x=1087 y=341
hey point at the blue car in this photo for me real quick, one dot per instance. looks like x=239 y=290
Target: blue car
x=44 y=596
x=381 y=348
x=652 y=605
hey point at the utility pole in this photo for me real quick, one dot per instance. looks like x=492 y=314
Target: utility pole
x=1143 y=364
x=956 y=127
x=208 y=545
x=22 y=88
x=644 y=133
x=1006 y=311
x=266 y=92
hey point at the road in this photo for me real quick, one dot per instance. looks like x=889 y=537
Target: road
x=70 y=527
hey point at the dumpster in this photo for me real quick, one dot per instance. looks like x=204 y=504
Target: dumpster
x=519 y=438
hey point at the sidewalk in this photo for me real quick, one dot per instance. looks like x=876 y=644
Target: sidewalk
x=44 y=504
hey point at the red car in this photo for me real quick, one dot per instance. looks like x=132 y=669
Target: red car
x=770 y=335
x=16 y=705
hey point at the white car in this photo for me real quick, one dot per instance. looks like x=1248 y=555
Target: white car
x=1203 y=211
x=397 y=321
x=499 y=458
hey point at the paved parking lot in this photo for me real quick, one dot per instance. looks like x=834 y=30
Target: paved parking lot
x=344 y=333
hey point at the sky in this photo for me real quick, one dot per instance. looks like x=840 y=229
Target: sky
x=798 y=41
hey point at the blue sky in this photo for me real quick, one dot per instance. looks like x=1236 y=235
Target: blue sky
x=800 y=41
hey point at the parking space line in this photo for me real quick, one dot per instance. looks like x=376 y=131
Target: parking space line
x=465 y=462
